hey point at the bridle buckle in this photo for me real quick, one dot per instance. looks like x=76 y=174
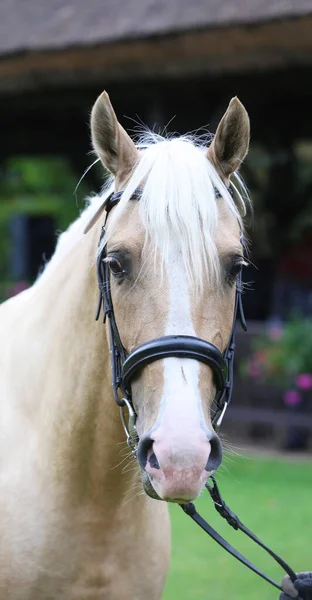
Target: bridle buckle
x=129 y=425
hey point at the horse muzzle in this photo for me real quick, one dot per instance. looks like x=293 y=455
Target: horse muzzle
x=177 y=467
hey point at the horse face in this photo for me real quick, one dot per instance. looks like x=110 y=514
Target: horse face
x=172 y=397
x=155 y=295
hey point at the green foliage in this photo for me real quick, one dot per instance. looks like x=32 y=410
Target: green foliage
x=36 y=186
x=281 y=353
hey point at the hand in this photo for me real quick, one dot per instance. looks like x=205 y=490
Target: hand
x=300 y=589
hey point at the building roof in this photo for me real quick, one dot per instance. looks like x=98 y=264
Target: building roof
x=34 y=25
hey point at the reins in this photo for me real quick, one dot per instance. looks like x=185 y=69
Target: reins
x=124 y=367
x=234 y=522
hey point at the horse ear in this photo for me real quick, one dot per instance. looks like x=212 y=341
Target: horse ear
x=110 y=141
x=230 y=144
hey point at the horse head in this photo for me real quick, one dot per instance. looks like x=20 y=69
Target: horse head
x=173 y=259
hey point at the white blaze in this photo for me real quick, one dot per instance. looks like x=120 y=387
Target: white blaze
x=181 y=409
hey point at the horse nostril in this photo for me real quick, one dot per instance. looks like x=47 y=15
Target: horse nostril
x=215 y=457
x=145 y=452
x=153 y=461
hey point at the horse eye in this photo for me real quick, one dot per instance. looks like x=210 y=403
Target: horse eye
x=115 y=266
x=234 y=271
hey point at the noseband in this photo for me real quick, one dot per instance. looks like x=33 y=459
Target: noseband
x=124 y=368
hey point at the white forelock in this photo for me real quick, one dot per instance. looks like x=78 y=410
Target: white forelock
x=179 y=204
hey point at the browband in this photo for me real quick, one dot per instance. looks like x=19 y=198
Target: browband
x=115 y=197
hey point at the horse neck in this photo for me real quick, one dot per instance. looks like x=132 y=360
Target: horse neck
x=78 y=421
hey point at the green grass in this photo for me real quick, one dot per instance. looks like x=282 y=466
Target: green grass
x=273 y=498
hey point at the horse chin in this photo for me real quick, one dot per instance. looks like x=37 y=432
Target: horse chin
x=151 y=492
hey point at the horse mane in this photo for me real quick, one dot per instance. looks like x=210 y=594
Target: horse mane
x=178 y=204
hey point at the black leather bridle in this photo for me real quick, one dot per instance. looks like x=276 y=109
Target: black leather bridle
x=124 y=368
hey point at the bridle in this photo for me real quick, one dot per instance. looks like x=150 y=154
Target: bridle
x=125 y=367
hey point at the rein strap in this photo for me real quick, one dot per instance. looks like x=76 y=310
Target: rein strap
x=234 y=522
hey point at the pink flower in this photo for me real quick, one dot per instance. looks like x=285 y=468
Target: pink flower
x=254 y=369
x=304 y=381
x=275 y=332
x=292 y=398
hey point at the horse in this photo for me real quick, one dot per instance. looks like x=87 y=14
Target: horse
x=79 y=518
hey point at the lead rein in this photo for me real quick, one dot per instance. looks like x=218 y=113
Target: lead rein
x=234 y=521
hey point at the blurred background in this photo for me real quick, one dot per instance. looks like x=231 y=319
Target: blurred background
x=180 y=62
x=175 y=62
